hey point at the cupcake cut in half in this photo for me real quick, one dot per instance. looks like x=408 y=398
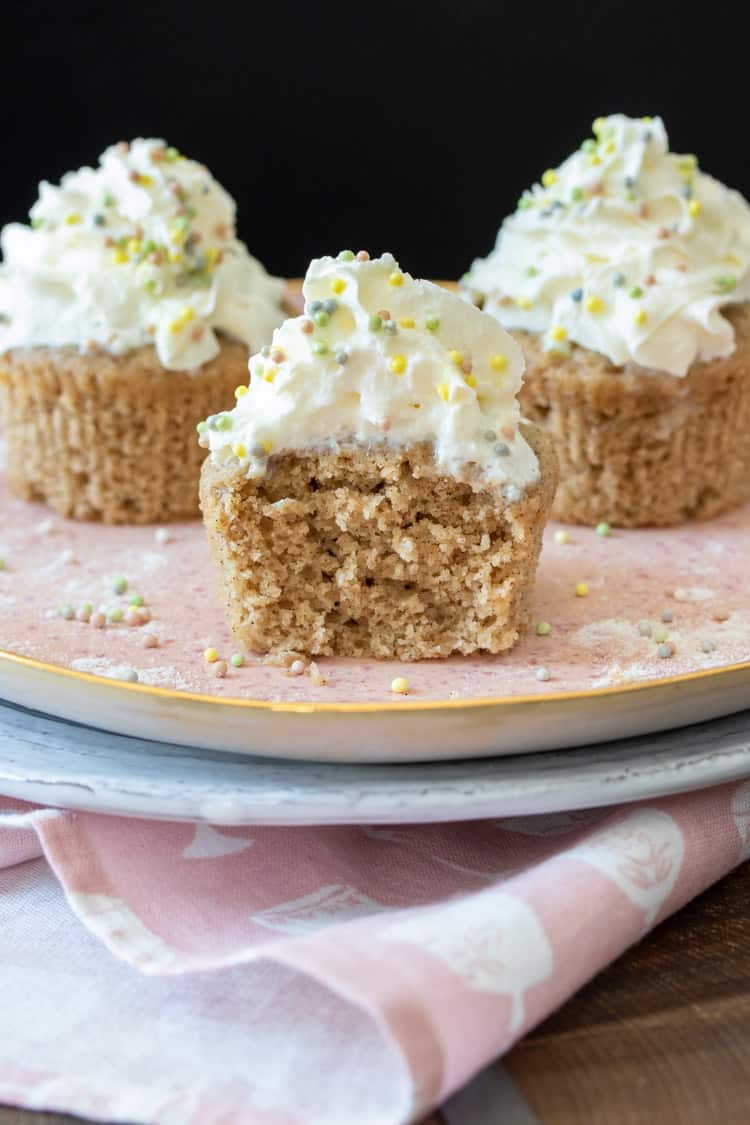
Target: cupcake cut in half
x=625 y=275
x=128 y=309
x=373 y=492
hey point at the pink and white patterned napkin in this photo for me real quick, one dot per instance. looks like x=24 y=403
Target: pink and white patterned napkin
x=175 y=973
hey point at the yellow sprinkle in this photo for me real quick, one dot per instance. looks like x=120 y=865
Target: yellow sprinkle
x=144 y=180
x=549 y=178
x=398 y=364
x=396 y=278
x=177 y=325
x=400 y=685
x=338 y=285
x=238 y=449
x=175 y=256
x=558 y=333
x=267 y=446
x=647 y=120
x=594 y=304
x=241 y=391
x=212 y=255
x=582 y=589
x=456 y=357
x=177 y=237
x=609 y=148
x=641 y=317
x=188 y=314
x=562 y=536
x=134 y=246
x=596 y=258
x=595 y=159
x=598 y=125
x=73 y=219
x=444 y=391
x=210 y=655
x=270 y=374
x=499 y=362
x=524 y=302
x=121 y=257
x=407 y=322
x=695 y=207
x=471 y=380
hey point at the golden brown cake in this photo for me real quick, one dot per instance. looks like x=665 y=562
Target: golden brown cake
x=128 y=309
x=372 y=494
x=625 y=275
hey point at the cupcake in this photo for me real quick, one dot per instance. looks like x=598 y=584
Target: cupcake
x=372 y=493
x=625 y=275
x=128 y=309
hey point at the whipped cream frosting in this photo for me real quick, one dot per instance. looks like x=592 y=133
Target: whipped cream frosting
x=627 y=249
x=140 y=250
x=379 y=357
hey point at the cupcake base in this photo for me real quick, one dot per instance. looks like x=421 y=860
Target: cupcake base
x=110 y=438
x=373 y=552
x=639 y=448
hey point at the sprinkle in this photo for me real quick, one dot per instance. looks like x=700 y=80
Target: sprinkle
x=562 y=536
x=73 y=219
x=239 y=450
x=67 y=556
x=329 y=306
x=581 y=589
x=296 y=668
x=390 y=327
x=240 y=392
x=265 y=351
x=640 y=317
x=237 y=660
x=150 y=640
x=543 y=674
x=644 y=628
x=136 y=600
x=120 y=257
x=219 y=669
x=345 y=256
x=720 y=615
x=595 y=159
x=407 y=322
x=341 y=356
x=363 y=256
x=132 y=617
x=210 y=655
x=162 y=535
x=694 y=208
x=499 y=362
x=603 y=529
x=114 y=615
x=456 y=357
x=432 y=323
x=400 y=685
x=665 y=650
x=470 y=380
x=577 y=194
x=708 y=645
x=589 y=146
x=532 y=271
x=98 y=620
x=144 y=615
x=398 y=364
x=307 y=327
x=618 y=279
x=321 y=318
x=119 y=584
x=577 y=295
x=444 y=391
x=502 y=450
x=549 y=178
x=129 y=675
x=66 y=610
x=725 y=284
x=320 y=347
x=558 y=333
x=660 y=634
x=667 y=615
x=635 y=292
x=396 y=278
x=376 y=323
x=523 y=303
x=543 y=629
x=525 y=202
x=594 y=304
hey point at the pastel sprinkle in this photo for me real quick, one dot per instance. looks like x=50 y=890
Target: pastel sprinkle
x=432 y=323
x=694 y=208
x=237 y=660
x=562 y=536
x=84 y=611
x=219 y=669
x=119 y=584
x=594 y=304
x=640 y=317
x=210 y=655
x=558 y=333
x=400 y=685
x=581 y=589
x=150 y=640
x=129 y=675
x=667 y=615
x=543 y=629
x=645 y=628
x=665 y=650
x=114 y=615
x=603 y=529
x=398 y=364
x=396 y=278
x=66 y=610
x=345 y=255
x=523 y=303
x=455 y=357
x=499 y=362
x=407 y=322
x=543 y=674
x=376 y=323
x=98 y=620
x=241 y=391
x=549 y=178
x=136 y=600
x=444 y=391
x=660 y=634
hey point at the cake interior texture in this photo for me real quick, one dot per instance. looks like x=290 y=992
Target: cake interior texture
x=373 y=552
x=112 y=438
x=638 y=447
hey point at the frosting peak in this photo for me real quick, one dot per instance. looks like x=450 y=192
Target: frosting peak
x=140 y=250
x=627 y=249
x=382 y=357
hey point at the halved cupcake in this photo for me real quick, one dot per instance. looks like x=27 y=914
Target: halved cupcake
x=625 y=275
x=128 y=309
x=373 y=493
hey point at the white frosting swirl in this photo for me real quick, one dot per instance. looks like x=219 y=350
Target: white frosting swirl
x=626 y=249
x=141 y=250
x=381 y=357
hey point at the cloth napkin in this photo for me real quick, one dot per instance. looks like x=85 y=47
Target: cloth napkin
x=174 y=973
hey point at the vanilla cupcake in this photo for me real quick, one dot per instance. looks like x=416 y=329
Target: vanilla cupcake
x=625 y=275
x=372 y=492
x=128 y=309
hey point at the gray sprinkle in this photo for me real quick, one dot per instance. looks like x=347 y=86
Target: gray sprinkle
x=618 y=279
x=389 y=326
x=667 y=615
x=341 y=356
x=265 y=351
x=490 y=435
x=708 y=645
x=330 y=306
x=644 y=628
x=502 y=450
x=664 y=650
x=129 y=675
x=316 y=307
x=543 y=674
x=67 y=611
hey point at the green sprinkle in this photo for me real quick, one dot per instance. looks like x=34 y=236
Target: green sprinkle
x=171 y=154
x=660 y=634
x=202 y=427
x=66 y=610
x=345 y=255
x=531 y=271
x=376 y=323
x=525 y=202
x=85 y=607
x=36 y=223
x=603 y=529
x=320 y=347
x=119 y=584
x=150 y=284
x=136 y=600
x=109 y=200
x=115 y=615
x=635 y=292
x=321 y=318
x=149 y=247
x=432 y=323
x=577 y=194
x=589 y=146
x=726 y=283
x=543 y=629
x=237 y=659
x=220 y=422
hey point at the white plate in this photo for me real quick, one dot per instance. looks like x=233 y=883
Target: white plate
x=51 y=762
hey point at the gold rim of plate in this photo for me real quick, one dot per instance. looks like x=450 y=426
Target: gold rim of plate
x=391 y=706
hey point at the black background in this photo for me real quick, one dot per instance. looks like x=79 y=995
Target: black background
x=412 y=128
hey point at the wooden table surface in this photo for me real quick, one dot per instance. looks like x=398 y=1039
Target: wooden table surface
x=662 y=1037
